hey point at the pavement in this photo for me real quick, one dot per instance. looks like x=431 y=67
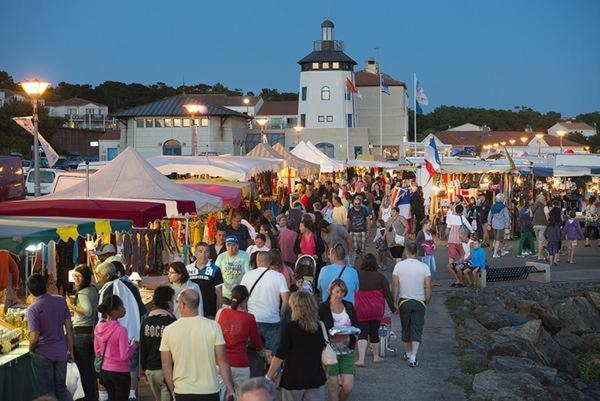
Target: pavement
x=393 y=380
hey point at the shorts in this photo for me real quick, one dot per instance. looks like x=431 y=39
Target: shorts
x=573 y=242
x=135 y=360
x=369 y=330
x=498 y=234
x=358 y=241
x=412 y=319
x=539 y=235
x=456 y=251
x=345 y=365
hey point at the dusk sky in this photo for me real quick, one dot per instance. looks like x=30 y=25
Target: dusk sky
x=539 y=53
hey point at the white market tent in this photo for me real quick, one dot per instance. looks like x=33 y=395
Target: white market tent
x=130 y=176
x=235 y=168
x=307 y=151
x=303 y=168
x=373 y=164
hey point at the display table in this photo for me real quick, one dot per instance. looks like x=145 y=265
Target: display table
x=17 y=382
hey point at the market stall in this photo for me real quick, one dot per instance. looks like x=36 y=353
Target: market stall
x=245 y=187
x=129 y=175
x=307 y=151
x=304 y=168
x=231 y=196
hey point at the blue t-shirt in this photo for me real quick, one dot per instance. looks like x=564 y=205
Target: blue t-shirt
x=478 y=258
x=331 y=272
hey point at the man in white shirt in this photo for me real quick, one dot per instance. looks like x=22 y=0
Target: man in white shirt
x=267 y=299
x=411 y=281
x=260 y=242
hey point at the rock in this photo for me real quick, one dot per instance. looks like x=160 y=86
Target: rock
x=578 y=315
x=549 y=319
x=472 y=326
x=524 y=305
x=529 y=332
x=492 y=319
x=563 y=393
x=590 y=343
x=502 y=345
x=511 y=364
x=566 y=361
x=494 y=385
x=473 y=362
x=550 y=347
x=515 y=319
x=594 y=298
x=568 y=340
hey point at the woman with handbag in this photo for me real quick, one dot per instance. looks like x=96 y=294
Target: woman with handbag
x=395 y=233
x=83 y=306
x=335 y=312
x=113 y=350
x=301 y=347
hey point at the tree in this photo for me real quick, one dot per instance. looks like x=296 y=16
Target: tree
x=7 y=82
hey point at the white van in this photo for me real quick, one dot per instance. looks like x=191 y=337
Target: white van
x=66 y=180
x=47 y=176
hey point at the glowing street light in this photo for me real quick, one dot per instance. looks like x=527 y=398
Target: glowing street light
x=512 y=146
x=298 y=129
x=539 y=141
x=194 y=109
x=560 y=135
x=34 y=89
x=262 y=123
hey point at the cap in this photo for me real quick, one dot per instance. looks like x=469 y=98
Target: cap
x=105 y=249
x=232 y=239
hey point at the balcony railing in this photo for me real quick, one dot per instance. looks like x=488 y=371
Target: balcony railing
x=86 y=117
x=337 y=45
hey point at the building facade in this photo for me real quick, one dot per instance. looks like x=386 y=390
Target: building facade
x=165 y=128
x=81 y=114
x=7 y=95
x=571 y=127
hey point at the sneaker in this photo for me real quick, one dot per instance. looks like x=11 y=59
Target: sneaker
x=405 y=356
x=521 y=256
x=392 y=335
x=413 y=364
x=495 y=256
x=504 y=253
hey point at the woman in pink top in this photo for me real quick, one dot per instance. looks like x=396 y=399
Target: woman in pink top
x=111 y=343
x=308 y=243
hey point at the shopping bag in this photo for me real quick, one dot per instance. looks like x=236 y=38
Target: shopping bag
x=74 y=381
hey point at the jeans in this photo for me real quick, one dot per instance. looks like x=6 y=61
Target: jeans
x=117 y=384
x=271 y=333
x=83 y=353
x=526 y=237
x=429 y=260
x=51 y=376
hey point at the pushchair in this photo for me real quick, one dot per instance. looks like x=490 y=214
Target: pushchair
x=306 y=266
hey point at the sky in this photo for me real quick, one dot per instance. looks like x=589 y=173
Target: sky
x=544 y=54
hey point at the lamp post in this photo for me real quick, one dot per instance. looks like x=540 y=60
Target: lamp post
x=560 y=135
x=512 y=147
x=247 y=102
x=193 y=109
x=539 y=137
x=298 y=129
x=262 y=123
x=35 y=88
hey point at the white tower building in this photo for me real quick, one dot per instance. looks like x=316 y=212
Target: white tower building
x=323 y=75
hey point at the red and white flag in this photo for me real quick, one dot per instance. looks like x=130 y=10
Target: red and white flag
x=352 y=89
x=27 y=124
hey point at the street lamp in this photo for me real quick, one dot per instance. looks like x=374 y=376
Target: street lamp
x=262 y=123
x=247 y=102
x=35 y=88
x=193 y=109
x=298 y=129
x=539 y=141
x=560 y=135
x=512 y=146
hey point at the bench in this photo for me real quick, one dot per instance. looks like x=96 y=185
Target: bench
x=539 y=272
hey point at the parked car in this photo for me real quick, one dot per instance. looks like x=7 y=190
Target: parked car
x=26 y=165
x=12 y=186
x=47 y=176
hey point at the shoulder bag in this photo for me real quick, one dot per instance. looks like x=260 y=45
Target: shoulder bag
x=256 y=282
x=328 y=356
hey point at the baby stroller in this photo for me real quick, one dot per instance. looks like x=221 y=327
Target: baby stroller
x=306 y=265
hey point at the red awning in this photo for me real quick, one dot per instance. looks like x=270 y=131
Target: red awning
x=141 y=213
x=231 y=196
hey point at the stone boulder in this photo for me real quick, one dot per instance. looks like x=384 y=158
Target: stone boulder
x=492 y=385
x=511 y=364
x=578 y=315
x=530 y=332
x=563 y=393
x=524 y=305
x=568 y=340
x=549 y=319
x=491 y=319
x=565 y=361
x=590 y=343
x=504 y=345
x=594 y=298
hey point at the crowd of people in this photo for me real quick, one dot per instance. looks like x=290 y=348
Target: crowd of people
x=295 y=301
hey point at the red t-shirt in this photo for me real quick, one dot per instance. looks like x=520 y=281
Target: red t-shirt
x=237 y=327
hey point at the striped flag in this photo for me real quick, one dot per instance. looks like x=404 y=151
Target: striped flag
x=27 y=124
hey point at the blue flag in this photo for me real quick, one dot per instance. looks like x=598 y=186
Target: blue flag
x=384 y=87
x=419 y=109
x=421 y=96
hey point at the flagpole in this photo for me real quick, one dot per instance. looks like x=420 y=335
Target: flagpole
x=346 y=122
x=415 y=113
x=380 y=111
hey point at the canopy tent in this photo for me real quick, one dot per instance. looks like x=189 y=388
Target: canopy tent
x=229 y=167
x=246 y=187
x=373 y=164
x=314 y=155
x=559 y=171
x=303 y=168
x=17 y=233
x=231 y=196
x=141 y=213
x=129 y=175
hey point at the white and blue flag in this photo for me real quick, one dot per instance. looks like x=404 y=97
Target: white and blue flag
x=421 y=96
x=384 y=87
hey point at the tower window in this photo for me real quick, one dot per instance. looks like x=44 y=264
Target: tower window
x=349 y=120
x=303 y=98
x=321 y=119
x=303 y=120
x=329 y=119
x=335 y=65
x=325 y=66
x=325 y=93
x=315 y=66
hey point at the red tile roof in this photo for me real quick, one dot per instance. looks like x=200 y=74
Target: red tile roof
x=575 y=126
x=279 y=108
x=480 y=138
x=364 y=78
x=111 y=135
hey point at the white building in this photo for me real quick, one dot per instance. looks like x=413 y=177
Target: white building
x=165 y=128
x=570 y=127
x=109 y=145
x=466 y=127
x=80 y=113
x=6 y=95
